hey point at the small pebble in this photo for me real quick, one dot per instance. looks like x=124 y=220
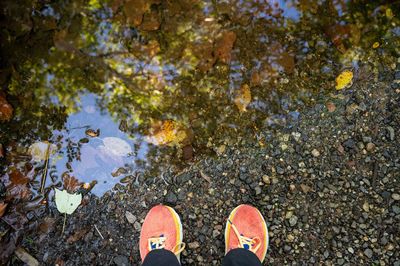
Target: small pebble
x=315 y=153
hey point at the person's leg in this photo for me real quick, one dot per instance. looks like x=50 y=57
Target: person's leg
x=246 y=237
x=161 y=237
x=240 y=257
x=161 y=257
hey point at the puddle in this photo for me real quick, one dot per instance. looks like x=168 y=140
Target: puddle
x=165 y=82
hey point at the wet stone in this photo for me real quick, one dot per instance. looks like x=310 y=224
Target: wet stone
x=349 y=144
x=368 y=252
x=293 y=220
x=121 y=260
x=171 y=198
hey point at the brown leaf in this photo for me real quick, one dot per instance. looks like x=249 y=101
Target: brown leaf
x=286 y=60
x=17 y=178
x=204 y=52
x=6 y=110
x=77 y=235
x=47 y=225
x=243 y=98
x=255 y=78
x=3 y=207
x=134 y=10
x=187 y=152
x=59 y=262
x=331 y=107
x=71 y=184
x=1 y=151
x=224 y=46
x=150 y=22
x=27 y=258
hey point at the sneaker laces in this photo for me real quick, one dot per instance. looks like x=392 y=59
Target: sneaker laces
x=159 y=243
x=246 y=242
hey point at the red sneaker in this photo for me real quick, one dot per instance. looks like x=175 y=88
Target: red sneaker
x=246 y=228
x=162 y=228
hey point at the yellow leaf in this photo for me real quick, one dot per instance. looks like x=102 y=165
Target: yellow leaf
x=375 y=45
x=344 y=80
x=389 y=13
x=243 y=98
x=168 y=133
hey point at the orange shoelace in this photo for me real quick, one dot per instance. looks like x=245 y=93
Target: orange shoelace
x=246 y=242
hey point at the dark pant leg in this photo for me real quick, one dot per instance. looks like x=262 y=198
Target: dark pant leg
x=240 y=257
x=161 y=257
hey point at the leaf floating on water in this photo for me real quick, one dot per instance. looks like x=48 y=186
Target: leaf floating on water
x=117 y=146
x=71 y=184
x=224 y=46
x=92 y=133
x=67 y=203
x=344 y=80
x=6 y=110
x=38 y=150
x=243 y=98
x=168 y=133
x=1 y=151
x=389 y=13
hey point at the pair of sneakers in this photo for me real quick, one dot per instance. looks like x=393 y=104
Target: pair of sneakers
x=245 y=228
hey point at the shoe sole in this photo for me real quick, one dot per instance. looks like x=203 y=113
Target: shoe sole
x=178 y=224
x=228 y=227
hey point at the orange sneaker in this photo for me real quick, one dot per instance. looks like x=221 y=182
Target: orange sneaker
x=162 y=228
x=246 y=228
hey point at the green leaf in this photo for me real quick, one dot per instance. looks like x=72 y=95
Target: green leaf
x=67 y=203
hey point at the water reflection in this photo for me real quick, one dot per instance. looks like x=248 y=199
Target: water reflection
x=190 y=74
x=106 y=158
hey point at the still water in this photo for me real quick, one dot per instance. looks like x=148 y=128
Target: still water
x=96 y=93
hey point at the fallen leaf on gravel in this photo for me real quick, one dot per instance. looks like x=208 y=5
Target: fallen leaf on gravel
x=344 y=80
x=47 y=225
x=77 y=235
x=59 y=262
x=243 y=98
x=3 y=207
x=331 y=107
x=206 y=177
x=26 y=257
x=67 y=203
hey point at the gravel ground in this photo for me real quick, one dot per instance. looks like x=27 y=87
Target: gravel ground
x=328 y=186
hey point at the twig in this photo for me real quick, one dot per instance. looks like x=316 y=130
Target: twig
x=65 y=218
x=45 y=168
x=95 y=227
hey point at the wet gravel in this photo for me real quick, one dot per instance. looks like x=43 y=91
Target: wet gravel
x=328 y=186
